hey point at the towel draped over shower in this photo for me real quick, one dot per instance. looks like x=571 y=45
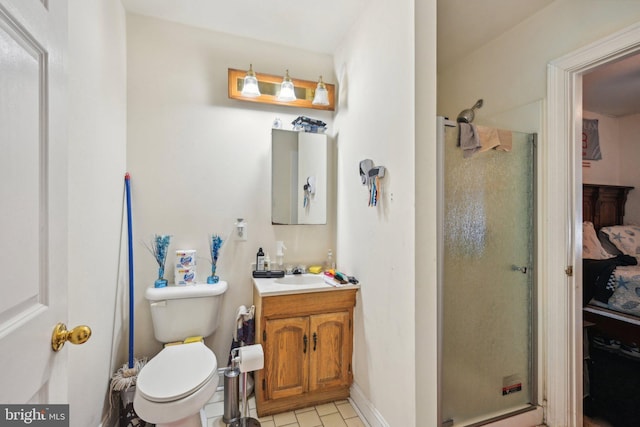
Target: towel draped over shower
x=477 y=139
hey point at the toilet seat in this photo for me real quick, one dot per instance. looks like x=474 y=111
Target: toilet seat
x=176 y=372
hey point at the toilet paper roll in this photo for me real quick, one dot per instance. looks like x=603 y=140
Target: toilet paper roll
x=251 y=358
x=185 y=258
x=185 y=276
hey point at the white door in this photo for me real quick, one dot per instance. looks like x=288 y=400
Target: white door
x=33 y=199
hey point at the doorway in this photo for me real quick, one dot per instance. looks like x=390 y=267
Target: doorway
x=563 y=221
x=610 y=112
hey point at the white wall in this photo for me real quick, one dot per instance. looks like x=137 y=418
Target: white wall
x=426 y=205
x=199 y=160
x=97 y=149
x=620 y=155
x=629 y=131
x=511 y=70
x=376 y=120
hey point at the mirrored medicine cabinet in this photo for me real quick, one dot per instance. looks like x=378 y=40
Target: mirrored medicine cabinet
x=298 y=177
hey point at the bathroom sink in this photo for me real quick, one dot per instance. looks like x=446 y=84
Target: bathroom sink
x=295 y=284
x=304 y=279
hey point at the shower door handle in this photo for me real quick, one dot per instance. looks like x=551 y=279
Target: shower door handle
x=524 y=269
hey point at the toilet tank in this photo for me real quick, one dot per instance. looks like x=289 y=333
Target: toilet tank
x=178 y=312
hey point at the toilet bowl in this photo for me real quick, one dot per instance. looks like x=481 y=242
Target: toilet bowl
x=172 y=389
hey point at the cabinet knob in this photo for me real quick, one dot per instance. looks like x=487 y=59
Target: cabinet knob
x=304 y=340
x=315 y=340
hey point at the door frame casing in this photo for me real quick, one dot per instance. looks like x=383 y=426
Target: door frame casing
x=562 y=214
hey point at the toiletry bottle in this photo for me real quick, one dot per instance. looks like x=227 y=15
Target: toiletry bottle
x=280 y=247
x=329 y=264
x=260 y=260
x=267 y=263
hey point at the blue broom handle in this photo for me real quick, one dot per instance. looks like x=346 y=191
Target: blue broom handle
x=129 y=234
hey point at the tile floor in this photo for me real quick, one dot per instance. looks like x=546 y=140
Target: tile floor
x=337 y=414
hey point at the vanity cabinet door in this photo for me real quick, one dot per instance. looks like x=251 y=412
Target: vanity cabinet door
x=308 y=343
x=286 y=357
x=331 y=348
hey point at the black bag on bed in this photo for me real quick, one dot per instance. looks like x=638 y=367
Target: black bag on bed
x=596 y=274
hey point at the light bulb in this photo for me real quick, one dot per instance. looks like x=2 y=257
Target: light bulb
x=287 y=92
x=250 y=87
x=321 y=96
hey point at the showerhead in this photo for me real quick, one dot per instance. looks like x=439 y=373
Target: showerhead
x=467 y=116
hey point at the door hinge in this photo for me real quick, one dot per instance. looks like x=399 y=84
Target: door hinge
x=264 y=335
x=569 y=271
x=264 y=385
x=349 y=368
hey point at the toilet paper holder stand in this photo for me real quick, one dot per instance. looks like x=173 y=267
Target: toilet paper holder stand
x=243 y=360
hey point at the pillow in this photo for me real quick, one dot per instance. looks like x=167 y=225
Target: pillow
x=591 y=247
x=625 y=237
x=607 y=245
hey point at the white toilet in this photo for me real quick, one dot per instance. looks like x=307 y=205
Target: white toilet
x=172 y=389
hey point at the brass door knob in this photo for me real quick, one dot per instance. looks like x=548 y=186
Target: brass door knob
x=78 y=335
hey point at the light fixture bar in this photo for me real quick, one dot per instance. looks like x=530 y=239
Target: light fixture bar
x=270 y=85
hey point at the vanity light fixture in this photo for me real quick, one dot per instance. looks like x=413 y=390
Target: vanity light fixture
x=250 y=87
x=270 y=86
x=321 y=96
x=286 y=89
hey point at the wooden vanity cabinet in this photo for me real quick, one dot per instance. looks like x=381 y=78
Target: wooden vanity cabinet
x=307 y=340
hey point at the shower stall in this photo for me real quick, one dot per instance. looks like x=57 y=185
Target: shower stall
x=486 y=279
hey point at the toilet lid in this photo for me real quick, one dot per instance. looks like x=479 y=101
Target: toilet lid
x=177 y=371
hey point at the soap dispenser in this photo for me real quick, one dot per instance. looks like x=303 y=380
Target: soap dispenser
x=280 y=247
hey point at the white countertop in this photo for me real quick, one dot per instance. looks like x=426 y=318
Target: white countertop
x=269 y=287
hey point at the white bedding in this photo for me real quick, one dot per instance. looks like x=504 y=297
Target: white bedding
x=626 y=296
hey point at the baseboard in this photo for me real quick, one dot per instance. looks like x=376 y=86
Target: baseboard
x=366 y=409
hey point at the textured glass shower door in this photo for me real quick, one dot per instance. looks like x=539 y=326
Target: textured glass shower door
x=487 y=241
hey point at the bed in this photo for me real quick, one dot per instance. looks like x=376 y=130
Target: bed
x=612 y=317
x=609 y=246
